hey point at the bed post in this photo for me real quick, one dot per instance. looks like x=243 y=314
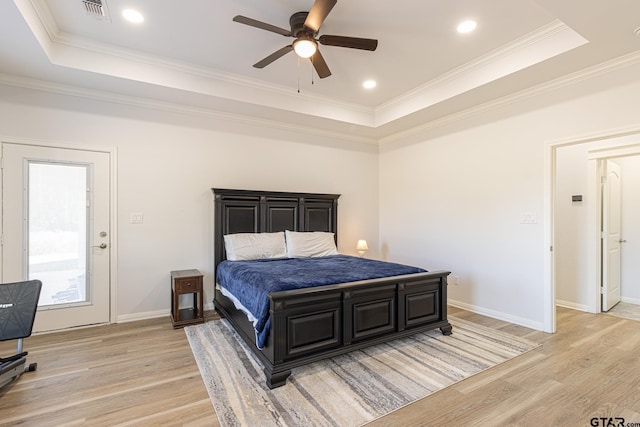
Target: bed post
x=446 y=329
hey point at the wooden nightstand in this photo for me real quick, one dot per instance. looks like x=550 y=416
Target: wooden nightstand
x=186 y=282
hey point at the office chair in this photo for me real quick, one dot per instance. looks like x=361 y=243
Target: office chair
x=18 y=305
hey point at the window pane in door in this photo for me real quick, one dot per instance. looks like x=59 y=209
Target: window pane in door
x=57 y=231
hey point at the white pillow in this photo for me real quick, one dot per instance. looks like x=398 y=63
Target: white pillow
x=310 y=244
x=249 y=246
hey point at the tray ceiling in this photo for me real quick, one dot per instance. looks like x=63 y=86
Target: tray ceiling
x=192 y=54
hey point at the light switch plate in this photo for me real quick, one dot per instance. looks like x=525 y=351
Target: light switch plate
x=137 y=218
x=528 y=218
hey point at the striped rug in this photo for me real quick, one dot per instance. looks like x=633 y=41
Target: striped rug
x=347 y=390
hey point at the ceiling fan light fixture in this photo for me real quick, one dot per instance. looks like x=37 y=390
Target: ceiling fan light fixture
x=305 y=48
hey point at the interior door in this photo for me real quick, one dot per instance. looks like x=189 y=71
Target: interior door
x=55 y=228
x=611 y=235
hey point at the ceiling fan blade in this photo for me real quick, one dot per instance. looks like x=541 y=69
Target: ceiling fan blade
x=318 y=13
x=275 y=55
x=350 y=42
x=262 y=25
x=320 y=65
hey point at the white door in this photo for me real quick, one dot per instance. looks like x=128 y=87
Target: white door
x=611 y=236
x=55 y=227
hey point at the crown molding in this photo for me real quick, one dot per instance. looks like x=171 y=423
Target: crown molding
x=592 y=72
x=110 y=97
x=45 y=17
x=576 y=77
x=40 y=23
x=65 y=39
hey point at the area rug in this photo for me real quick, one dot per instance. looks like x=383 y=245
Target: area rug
x=347 y=390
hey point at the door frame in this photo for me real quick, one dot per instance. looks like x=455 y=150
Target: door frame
x=113 y=219
x=621 y=145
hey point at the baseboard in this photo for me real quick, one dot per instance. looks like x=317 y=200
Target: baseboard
x=152 y=314
x=572 y=305
x=630 y=300
x=142 y=316
x=539 y=326
x=582 y=307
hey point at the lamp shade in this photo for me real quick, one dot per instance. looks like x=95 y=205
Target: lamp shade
x=305 y=48
x=362 y=245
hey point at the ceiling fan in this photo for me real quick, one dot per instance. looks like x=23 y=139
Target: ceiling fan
x=304 y=28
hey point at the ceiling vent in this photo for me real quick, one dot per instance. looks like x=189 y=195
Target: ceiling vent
x=97 y=9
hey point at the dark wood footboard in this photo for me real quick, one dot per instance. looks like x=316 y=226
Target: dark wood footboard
x=317 y=323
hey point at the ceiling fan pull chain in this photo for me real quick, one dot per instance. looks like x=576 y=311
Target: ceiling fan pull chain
x=298 y=74
x=312 y=67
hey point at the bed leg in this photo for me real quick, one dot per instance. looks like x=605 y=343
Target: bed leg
x=217 y=306
x=276 y=379
x=446 y=330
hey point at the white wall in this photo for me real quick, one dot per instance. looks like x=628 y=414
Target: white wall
x=166 y=165
x=452 y=196
x=571 y=222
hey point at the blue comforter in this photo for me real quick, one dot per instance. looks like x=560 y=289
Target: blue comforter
x=251 y=281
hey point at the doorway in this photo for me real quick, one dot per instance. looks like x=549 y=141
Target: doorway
x=56 y=227
x=583 y=202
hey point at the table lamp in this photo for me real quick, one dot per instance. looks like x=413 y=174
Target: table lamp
x=362 y=247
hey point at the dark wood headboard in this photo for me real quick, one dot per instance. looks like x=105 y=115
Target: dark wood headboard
x=247 y=211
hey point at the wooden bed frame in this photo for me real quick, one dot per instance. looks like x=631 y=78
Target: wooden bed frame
x=316 y=323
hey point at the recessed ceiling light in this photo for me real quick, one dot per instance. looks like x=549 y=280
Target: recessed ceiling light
x=467 y=26
x=369 y=84
x=133 y=16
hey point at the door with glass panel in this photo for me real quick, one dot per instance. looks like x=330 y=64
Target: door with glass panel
x=55 y=228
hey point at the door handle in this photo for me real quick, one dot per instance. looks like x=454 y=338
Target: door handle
x=622 y=241
x=101 y=246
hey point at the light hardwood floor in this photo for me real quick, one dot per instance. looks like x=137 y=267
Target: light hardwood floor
x=138 y=373
x=143 y=373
